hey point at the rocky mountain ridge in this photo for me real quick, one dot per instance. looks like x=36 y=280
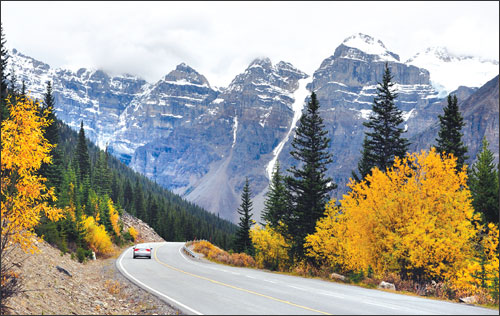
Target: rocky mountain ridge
x=201 y=142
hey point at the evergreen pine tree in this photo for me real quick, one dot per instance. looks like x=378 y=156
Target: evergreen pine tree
x=117 y=189
x=4 y=111
x=22 y=94
x=154 y=210
x=82 y=155
x=308 y=186
x=12 y=90
x=128 y=196
x=450 y=136
x=52 y=131
x=102 y=175
x=483 y=179
x=139 y=202
x=243 y=243
x=276 y=205
x=384 y=142
x=54 y=171
x=365 y=163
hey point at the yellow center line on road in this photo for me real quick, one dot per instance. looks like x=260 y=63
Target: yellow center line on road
x=237 y=288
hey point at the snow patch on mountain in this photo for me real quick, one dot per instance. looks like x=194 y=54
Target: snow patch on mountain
x=408 y=115
x=235 y=130
x=298 y=105
x=365 y=114
x=369 y=45
x=449 y=71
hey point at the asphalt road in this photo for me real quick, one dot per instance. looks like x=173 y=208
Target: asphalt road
x=199 y=287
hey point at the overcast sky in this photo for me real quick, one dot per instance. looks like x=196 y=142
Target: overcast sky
x=220 y=39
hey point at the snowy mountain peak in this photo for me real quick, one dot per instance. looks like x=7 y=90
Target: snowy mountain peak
x=262 y=62
x=286 y=66
x=184 y=67
x=448 y=71
x=185 y=74
x=26 y=62
x=437 y=52
x=442 y=53
x=370 y=46
x=360 y=40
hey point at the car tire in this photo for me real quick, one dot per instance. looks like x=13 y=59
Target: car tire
x=134 y=257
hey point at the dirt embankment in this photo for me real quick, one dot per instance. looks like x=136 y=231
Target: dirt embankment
x=94 y=287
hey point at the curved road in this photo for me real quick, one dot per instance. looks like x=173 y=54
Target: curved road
x=199 y=287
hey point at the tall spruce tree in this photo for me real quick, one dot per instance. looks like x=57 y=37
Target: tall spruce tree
x=82 y=155
x=483 y=183
x=128 y=196
x=154 y=210
x=22 y=94
x=308 y=185
x=450 y=133
x=384 y=142
x=4 y=54
x=54 y=171
x=12 y=89
x=243 y=243
x=139 y=202
x=276 y=205
x=102 y=174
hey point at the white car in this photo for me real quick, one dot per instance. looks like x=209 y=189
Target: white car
x=142 y=251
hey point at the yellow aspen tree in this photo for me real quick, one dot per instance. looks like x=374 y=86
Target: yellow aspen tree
x=415 y=219
x=96 y=235
x=467 y=280
x=271 y=249
x=133 y=233
x=114 y=217
x=24 y=195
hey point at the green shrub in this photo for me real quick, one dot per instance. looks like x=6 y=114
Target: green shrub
x=81 y=254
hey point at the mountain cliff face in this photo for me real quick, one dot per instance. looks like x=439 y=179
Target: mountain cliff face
x=202 y=142
x=346 y=84
x=481 y=116
x=230 y=136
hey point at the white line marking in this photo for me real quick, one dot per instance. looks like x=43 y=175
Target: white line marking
x=251 y=277
x=298 y=288
x=155 y=291
x=331 y=294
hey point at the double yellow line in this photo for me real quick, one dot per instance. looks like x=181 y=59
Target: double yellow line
x=237 y=288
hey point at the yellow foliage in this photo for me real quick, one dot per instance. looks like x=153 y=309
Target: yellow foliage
x=466 y=279
x=416 y=218
x=114 y=217
x=270 y=248
x=24 y=195
x=218 y=255
x=96 y=236
x=133 y=232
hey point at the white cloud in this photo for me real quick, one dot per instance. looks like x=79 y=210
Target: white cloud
x=219 y=39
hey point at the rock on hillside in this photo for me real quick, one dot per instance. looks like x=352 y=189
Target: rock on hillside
x=145 y=233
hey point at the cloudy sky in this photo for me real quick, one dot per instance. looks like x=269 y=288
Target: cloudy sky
x=220 y=39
